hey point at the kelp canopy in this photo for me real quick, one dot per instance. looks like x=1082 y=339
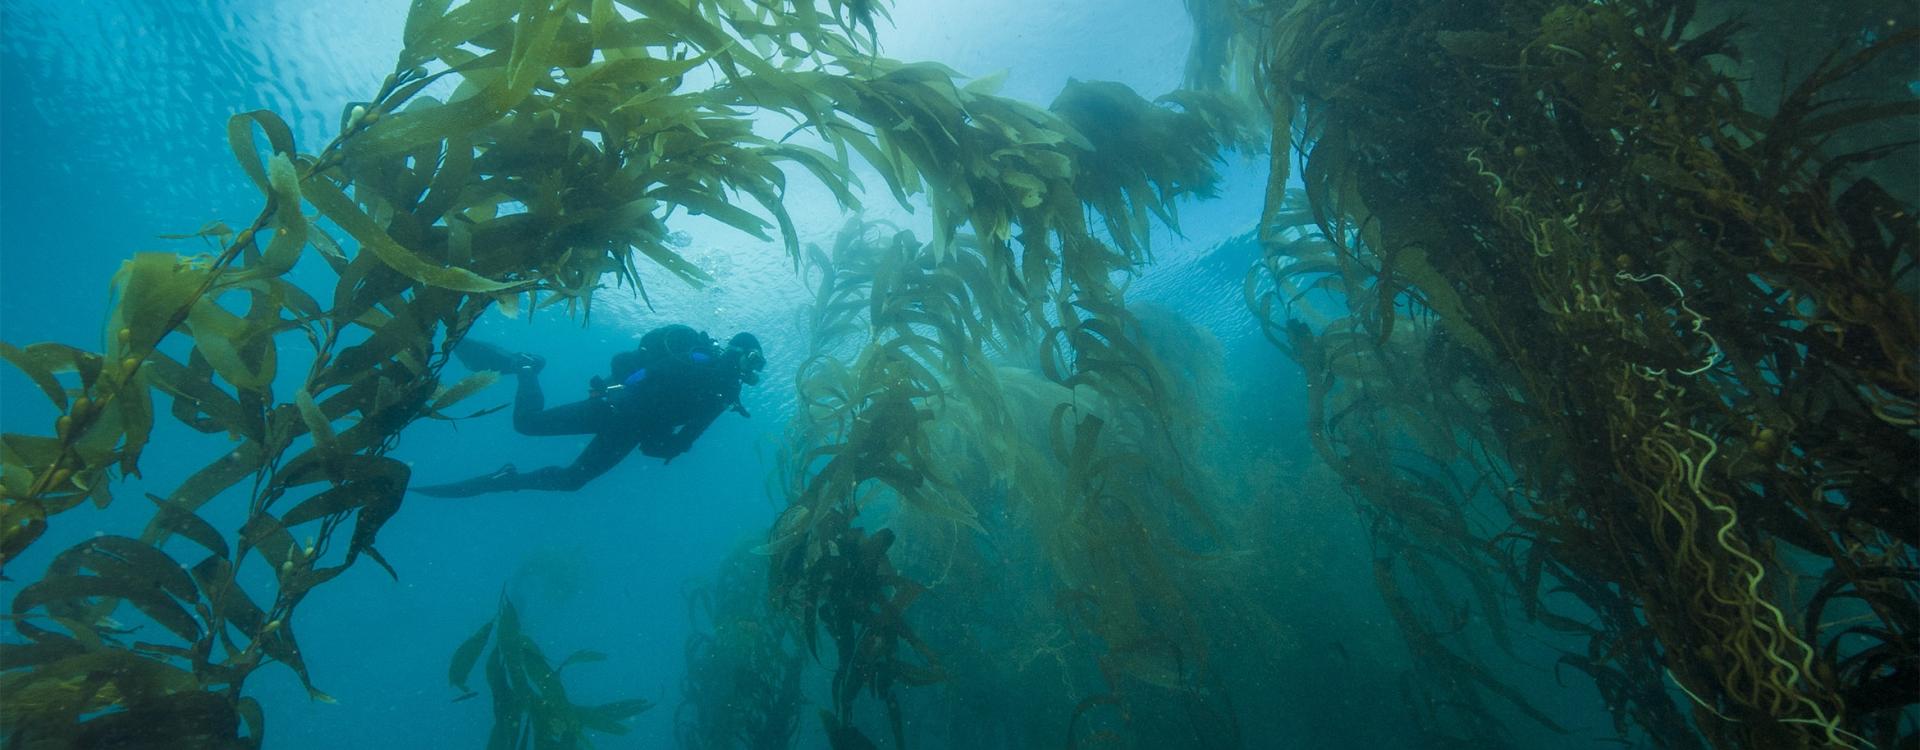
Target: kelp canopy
x=1625 y=351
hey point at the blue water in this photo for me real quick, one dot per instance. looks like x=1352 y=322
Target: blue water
x=112 y=133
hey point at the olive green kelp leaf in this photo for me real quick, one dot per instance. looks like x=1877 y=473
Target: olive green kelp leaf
x=431 y=31
x=465 y=657
x=40 y=362
x=57 y=704
x=152 y=290
x=531 y=707
x=336 y=206
x=121 y=569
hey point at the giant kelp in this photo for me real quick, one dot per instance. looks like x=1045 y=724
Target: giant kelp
x=1672 y=337
x=1094 y=473
x=569 y=139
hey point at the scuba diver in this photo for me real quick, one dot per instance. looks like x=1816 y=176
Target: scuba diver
x=659 y=398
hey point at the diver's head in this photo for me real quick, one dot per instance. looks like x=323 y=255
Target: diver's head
x=744 y=350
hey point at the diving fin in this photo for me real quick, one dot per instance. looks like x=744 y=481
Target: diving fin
x=480 y=355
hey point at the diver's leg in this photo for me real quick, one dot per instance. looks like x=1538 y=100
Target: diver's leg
x=528 y=402
x=530 y=417
x=602 y=454
x=475 y=354
x=498 y=480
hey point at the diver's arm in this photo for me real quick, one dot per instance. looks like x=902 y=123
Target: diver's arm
x=683 y=440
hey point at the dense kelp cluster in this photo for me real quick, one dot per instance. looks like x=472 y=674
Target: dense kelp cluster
x=1662 y=333
x=976 y=456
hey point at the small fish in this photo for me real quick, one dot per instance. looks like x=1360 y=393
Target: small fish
x=1340 y=651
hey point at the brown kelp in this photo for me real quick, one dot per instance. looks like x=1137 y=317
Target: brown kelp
x=1093 y=470
x=1664 y=333
x=570 y=138
x=530 y=704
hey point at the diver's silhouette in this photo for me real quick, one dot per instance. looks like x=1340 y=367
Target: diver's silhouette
x=659 y=398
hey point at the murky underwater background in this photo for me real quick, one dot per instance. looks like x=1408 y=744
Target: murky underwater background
x=111 y=134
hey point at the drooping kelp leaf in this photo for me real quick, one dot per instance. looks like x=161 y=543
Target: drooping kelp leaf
x=372 y=487
x=255 y=720
x=221 y=336
x=338 y=208
x=240 y=139
x=583 y=656
x=469 y=385
x=112 y=426
x=1143 y=156
x=81 y=588
x=535 y=45
x=21 y=522
x=191 y=717
x=622 y=710
x=342 y=498
x=153 y=290
x=46 y=490
x=118 y=556
x=40 y=362
x=265 y=534
x=317 y=423
x=593 y=719
x=200 y=403
x=289 y=228
x=466 y=656
x=123 y=569
x=43 y=646
x=278 y=642
x=229 y=603
x=431 y=31
x=530 y=703
x=47 y=702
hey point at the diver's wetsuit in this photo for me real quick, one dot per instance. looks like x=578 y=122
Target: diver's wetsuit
x=661 y=412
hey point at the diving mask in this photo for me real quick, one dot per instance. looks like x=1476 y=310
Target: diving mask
x=751 y=363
